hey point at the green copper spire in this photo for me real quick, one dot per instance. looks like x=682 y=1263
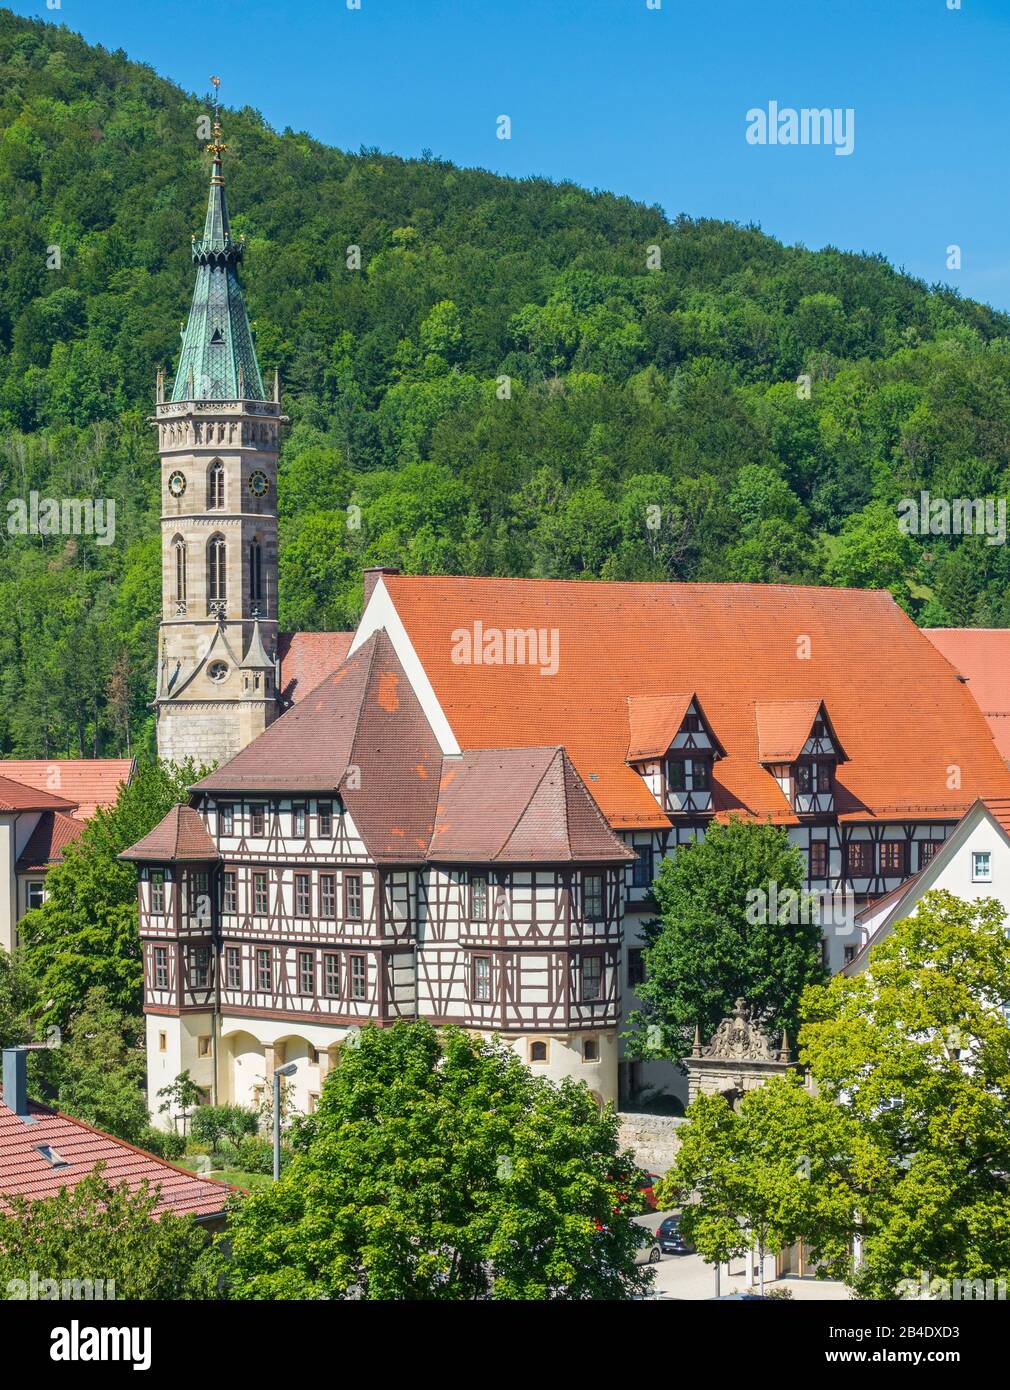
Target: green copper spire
x=218 y=360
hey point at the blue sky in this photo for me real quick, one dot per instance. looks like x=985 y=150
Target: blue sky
x=647 y=102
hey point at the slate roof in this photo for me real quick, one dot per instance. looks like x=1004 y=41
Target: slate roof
x=982 y=654
x=895 y=703
x=27 y=1173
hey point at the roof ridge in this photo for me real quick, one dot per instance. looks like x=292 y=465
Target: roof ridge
x=372 y=639
x=529 y=801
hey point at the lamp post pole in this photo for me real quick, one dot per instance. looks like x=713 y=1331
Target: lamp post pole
x=288 y=1070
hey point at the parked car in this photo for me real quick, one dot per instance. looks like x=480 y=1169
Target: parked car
x=648 y=1252
x=671 y=1238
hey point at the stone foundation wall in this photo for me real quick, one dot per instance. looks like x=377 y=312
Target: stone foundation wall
x=652 y=1138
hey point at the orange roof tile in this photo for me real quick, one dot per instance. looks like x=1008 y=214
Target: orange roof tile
x=999 y=809
x=653 y=723
x=783 y=727
x=982 y=654
x=86 y=783
x=27 y=1173
x=898 y=708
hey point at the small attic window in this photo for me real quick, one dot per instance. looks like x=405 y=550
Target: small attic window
x=50 y=1155
x=217 y=338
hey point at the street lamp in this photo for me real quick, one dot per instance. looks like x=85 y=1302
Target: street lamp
x=288 y=1069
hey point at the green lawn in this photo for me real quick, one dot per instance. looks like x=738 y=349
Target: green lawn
x=236 y=1176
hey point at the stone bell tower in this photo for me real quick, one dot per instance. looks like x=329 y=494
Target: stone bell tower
x=218 y=441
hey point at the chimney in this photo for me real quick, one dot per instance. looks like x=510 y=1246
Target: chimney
x=371 y=577
x=16 y=1080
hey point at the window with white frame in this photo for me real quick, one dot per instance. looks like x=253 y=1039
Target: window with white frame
x=981 y=866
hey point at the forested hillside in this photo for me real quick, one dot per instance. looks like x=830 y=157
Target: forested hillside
x=653 y=427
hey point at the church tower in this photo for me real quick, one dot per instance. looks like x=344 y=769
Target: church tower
x=218 y=441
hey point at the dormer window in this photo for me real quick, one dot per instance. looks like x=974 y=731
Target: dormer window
x=799 y=747
x=673 y=747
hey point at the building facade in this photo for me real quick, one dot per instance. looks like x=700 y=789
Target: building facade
x=44 y=806
x=458 y=811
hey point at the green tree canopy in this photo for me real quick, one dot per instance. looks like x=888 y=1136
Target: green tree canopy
x=734 y=923
x=903 y=1139
x=438 y=1167
x=99 y=1231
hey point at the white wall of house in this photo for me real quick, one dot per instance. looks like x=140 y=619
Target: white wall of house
x=973 y=863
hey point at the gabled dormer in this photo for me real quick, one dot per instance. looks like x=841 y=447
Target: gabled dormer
x=799 y=747
x=673 y=748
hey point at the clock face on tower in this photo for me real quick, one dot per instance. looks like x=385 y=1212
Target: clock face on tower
x=259 y=483
x=177 y=484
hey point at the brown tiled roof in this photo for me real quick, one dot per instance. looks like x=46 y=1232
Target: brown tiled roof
x=982 y=654
x=47 y=841
x=180 y=836
x=361 y=732
x=306 y=658
x=25 y=1172
x=519 y=805
x=86 y=783
x=16 y=796
x=896 y=705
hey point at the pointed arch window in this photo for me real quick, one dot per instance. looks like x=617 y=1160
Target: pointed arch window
x=179 y=555
x=215 y=486
x=217 y=570
x=255 y=570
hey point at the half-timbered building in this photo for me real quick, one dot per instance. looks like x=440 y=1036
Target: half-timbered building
x=459 y=810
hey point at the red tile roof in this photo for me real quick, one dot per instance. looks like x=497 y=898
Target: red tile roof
x=982 y=654
x=86 y=783
x=180 y=836
x=783 y=727
x=898 y=708
x=47 y=841
x=25 y=1172
x=999 y=809
x=519 y=805
x=15 y=796
x=653 y=723
x=307 y=658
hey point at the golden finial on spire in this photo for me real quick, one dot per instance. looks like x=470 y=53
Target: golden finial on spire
x=217 y=145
